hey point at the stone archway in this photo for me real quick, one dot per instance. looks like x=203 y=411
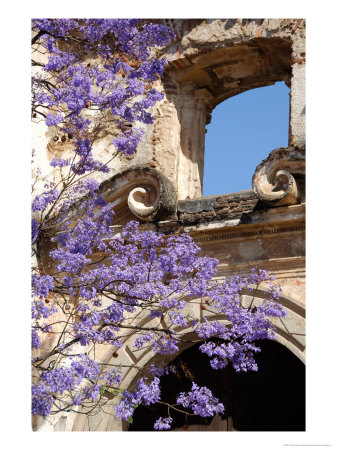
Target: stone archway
x=290 y=337
x=271 y=399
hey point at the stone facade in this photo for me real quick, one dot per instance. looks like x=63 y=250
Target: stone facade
x=209 y=62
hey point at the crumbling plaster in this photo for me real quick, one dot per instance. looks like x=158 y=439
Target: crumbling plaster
x=208 y=62
x=216 y=60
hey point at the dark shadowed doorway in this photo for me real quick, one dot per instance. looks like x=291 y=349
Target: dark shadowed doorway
x=272 y=399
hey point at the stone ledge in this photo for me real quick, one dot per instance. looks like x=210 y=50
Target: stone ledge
x=227 y=206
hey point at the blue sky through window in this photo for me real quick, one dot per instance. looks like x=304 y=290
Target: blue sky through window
x=243 y=131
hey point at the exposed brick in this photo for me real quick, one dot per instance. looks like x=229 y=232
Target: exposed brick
x=223 y=211
x=208 y=214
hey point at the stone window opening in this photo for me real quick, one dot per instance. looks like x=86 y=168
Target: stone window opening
x=243 y=130
x=207 y=80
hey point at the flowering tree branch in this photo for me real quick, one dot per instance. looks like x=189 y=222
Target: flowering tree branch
x=90 y=285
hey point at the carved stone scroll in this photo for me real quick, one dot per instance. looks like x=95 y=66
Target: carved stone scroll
x=144 y=192
x=275 y=180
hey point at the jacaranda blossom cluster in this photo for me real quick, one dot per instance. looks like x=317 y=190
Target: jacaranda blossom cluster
x=139 y=270
x=88 y=282
x=117 y=82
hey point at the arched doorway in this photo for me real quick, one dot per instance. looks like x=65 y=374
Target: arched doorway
x=271 y=399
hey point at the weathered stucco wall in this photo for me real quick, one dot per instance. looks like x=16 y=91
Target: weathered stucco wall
x=211 y=61
x=208 y=62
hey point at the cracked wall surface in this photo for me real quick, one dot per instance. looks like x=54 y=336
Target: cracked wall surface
x=210 y=61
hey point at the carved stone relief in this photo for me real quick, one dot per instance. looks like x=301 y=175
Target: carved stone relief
x=143 y=193
x=275 y=180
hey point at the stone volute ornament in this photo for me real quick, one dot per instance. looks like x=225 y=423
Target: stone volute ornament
x=146 y=193
x=276 y=179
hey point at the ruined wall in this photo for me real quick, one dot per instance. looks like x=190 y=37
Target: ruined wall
x=209 y=62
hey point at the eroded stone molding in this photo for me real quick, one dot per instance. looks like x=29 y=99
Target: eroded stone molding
x=146 y=193
x=290 y=331
x=244 y=234
x=275 y=179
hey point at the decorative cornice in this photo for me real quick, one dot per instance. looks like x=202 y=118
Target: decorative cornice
x=274 y=180
x=250 y=233
x=147 y=194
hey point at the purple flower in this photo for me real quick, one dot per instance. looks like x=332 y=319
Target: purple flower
x=92 y=393
x=127 y=143
x=36 y=343
x=163 y=423
x=35 y=231
x=41 y=202
x=84 y=367
x=59 y=380
x=144 y=394
x=201 y=401
x=41 y=400
x=53 y=119
x=60 y=162
x=42 y=285
x=148 y=393
x=77 y=399
x=126 y=406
